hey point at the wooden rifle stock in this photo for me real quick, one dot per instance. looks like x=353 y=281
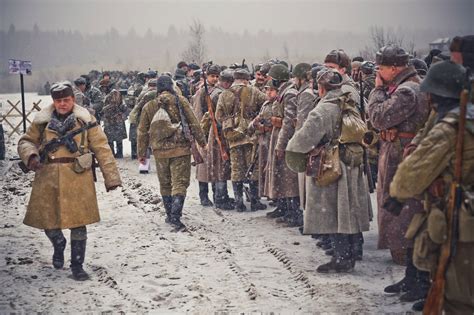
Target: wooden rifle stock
x=215 y=130
x=435 y=300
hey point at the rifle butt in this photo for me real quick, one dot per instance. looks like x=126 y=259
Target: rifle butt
x=434 y=300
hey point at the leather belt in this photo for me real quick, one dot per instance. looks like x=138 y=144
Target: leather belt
x=391 y=135
x=61 y=160
x=265 y=128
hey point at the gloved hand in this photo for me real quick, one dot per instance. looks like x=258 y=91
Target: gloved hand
x=34 y=163
x=393 y=206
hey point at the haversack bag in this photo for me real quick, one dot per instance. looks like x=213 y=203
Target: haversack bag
x=353 y=127
x=82 y=163
x=324 y=164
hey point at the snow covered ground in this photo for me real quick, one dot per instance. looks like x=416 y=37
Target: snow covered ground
x=227 y=262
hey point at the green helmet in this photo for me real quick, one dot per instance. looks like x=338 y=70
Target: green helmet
x=296 y=161
x=445 y=79
x=301 y=70
x=279 y=72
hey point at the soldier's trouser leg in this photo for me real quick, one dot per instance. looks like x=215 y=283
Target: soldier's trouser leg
x=174 y=175
x=119 y=149
x=204 y=194
x=59 y=244
x=240 y=158
x=134 y=149
x=78 y=252
x=342 y=259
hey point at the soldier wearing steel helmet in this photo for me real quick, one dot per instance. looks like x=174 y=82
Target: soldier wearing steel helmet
x=282 y=182
x=428 y=172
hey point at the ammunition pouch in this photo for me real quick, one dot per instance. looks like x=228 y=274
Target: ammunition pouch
x=352 y=154
x=82 y=163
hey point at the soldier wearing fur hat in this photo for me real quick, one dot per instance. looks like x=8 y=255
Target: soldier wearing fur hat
x=161 y=128
x=236 y=108
x=282 y=182
x=340 y=61
x=398 y=109
x=339 y=208
x=63 y=194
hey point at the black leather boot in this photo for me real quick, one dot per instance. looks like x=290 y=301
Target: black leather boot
x=420 y=289
x=222 y=201
x=296 y=214
x=167 y=202
x=357 y=242
x=255 y=203
x=59 y=244
x=239 y=196
x=177 y=211
x=342 y=259
x=203 y=194
x=408 y=282
x=78 y=252
x=279 y=211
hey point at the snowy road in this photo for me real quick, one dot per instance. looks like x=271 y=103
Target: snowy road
x=227 y=262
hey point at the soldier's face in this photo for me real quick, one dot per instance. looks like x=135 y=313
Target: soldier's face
x=260 y=78
x=64 y=105
x=212 y=79
x=387 y=73
x=336 y=67
x=271 y=94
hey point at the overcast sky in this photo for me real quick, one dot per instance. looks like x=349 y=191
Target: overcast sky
x=97 y=16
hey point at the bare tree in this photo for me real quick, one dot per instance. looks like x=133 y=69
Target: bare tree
x=379 y=37
x=196 y=50
x=286 y=52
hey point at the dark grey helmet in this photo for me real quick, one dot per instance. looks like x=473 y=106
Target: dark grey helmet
x=444 y=78
x=213 y=69
x=279 y=72
x=367 y=67
x=301 y=70
x=227 y=75
x=419 y=65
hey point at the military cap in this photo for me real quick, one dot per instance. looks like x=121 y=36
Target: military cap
x=419 y=65
x=241 y=74
x=358 y=58
x=329 y=78
x=391 y=55
x=315 y=70
x=265 y=68
x=279 y=72
x=181 y=64
x=152 y=82
x=444 y=78
x=464 y=44
x=164 y=83
x=301 y=70
x=61 y=90
x=316 y=64
x=227 y=75
x=193 y=66
x=152 y=74
x=338 y=57
x=80 y=81
x=213 y=69
x=179 y=74
x=258 y=67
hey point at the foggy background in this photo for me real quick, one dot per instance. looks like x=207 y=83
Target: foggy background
x=64 y=39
